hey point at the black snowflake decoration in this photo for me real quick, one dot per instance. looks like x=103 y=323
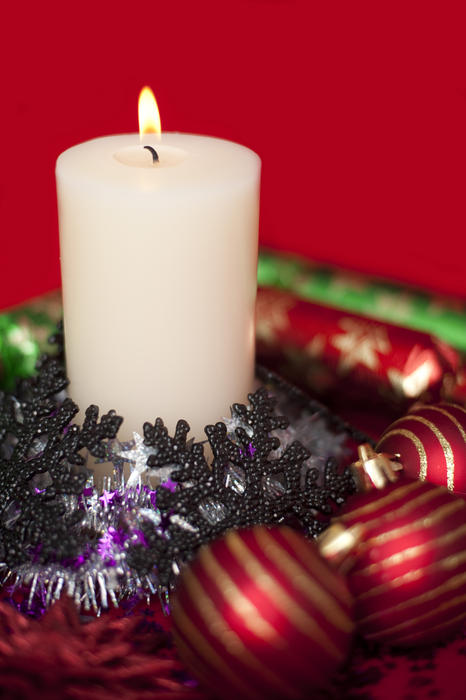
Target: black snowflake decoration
x=41 y=465
x=247 y=484
x=57 y=530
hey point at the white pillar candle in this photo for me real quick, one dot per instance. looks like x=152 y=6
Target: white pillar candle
x=158 y=268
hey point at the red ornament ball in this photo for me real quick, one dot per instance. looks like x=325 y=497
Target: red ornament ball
x=260 y=614
x=431 y=442
x=409 y=577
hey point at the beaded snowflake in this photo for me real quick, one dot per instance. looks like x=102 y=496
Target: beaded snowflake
x=57 y=532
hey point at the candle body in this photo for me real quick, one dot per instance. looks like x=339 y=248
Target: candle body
x=159 y=277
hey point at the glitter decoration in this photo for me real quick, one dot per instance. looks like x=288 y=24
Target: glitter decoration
x=42 y=468
x=137 y=457
x=59 y=534
x=234 y=478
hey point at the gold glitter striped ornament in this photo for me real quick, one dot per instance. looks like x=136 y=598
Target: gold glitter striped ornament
x=409 y=576
x=260 y=614
x=431 y=442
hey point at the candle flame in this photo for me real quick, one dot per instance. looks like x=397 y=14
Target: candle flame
x=149 y=117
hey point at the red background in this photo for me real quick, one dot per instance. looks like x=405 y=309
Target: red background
x=358 y=110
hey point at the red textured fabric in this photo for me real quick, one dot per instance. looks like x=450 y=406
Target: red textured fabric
x=371 y=674
x=435 y=672
x=65 y=657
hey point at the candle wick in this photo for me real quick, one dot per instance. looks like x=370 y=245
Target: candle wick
x=155 y=155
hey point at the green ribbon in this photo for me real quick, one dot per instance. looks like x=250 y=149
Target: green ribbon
x=24 y=330
x=383 y=301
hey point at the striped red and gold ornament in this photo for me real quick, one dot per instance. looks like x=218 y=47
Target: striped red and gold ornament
x=431 y=443
x=260 y=614
x=409 y=576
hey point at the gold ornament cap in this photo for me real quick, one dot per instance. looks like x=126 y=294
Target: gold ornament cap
x=338 y=544
x=374 y=469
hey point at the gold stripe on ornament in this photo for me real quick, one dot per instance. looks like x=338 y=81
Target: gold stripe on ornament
x=451 y=417
x=282 y=600
x=433 y=518
x=412 y=552
x=451 y=585
x=302 y=580
x=452 y=405
x=447 y=623
x=405 y=509
x=456 y=423
x=242 y=606
x=380 y=502
x=206 y=650
x=420 y=618
x=302 y=549
x=449 y=563
x=220 y=629
x=446 y=447
x=417 y=444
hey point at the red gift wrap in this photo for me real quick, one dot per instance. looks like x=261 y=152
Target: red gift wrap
x=348 y=360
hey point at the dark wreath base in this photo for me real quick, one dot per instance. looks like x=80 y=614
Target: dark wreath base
x=58 y=533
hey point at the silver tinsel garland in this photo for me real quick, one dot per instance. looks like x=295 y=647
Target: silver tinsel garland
x=131 y=539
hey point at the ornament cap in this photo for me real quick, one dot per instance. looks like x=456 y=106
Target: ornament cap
x=338 y=543
x=374 y=469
